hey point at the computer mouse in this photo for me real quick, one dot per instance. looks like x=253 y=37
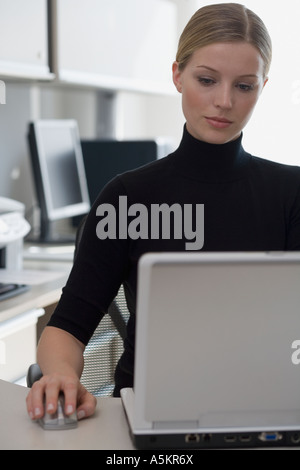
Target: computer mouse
x=59 y=420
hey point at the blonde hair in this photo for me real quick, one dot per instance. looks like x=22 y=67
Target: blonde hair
x=225 y=22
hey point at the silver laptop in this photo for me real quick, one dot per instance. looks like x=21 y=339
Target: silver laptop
x=216 y=351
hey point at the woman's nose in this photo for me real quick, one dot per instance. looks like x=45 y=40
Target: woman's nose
x=223 y=97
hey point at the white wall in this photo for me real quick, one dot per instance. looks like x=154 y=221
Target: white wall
x=273 y=130
x=155 y=115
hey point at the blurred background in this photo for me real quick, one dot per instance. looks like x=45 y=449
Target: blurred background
x=107 y=64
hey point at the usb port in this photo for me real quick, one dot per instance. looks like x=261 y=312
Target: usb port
x=230 y=438
x=245 y=438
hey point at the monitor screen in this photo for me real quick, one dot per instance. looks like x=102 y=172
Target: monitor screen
x=58 y=170
x=104 y=159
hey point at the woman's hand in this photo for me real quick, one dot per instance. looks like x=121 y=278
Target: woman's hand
x=44 y=393
x=60 y=357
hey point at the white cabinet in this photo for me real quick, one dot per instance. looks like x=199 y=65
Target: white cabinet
x=108 y=44
x=18 y=344
x=117 y=44
x=24 y=39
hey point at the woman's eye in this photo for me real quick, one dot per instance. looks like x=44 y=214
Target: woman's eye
x=245 y=87
x=206 y=81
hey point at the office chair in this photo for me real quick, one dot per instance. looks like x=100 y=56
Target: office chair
x=104 y=349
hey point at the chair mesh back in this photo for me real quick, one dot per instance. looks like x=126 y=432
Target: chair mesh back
x=104 y=350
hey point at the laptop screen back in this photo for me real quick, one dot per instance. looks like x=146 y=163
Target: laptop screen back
x=214 y=336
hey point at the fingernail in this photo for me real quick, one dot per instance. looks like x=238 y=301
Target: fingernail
x=70 y=409
x=37 y=411
x=50 y=407
x=81 y=414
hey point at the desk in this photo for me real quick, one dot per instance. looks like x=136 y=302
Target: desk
x=39 y=295
x=107 y=429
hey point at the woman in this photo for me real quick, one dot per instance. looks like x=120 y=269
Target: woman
x=251 y=204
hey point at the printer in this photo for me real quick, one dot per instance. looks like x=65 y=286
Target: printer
x=13 y=229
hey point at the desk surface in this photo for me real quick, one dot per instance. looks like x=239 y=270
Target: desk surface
x=107 y=429
x=39 y=295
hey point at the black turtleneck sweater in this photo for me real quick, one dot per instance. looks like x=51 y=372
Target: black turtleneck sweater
x=250 y=204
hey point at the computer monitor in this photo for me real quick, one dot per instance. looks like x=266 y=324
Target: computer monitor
x=104 y=159
x=59 y=174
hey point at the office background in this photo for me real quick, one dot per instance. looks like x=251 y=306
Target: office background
x=123 y=111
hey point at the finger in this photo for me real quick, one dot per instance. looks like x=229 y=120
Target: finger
x=56 y=385
x=52 y=390
x=70 y=391
x=29 y=405
x=44 y=396
x=86 y=404
x=35 y=405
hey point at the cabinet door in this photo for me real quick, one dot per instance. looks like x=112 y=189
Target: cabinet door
x=24 y=39
x=18 y=344
x=117 y=44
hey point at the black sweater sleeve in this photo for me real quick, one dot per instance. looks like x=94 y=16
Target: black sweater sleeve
x=98 y=271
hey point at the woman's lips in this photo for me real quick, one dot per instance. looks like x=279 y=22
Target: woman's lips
x=218 y=123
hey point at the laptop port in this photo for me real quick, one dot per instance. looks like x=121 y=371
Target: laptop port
x=295 y=437
x=192 y=438
x=206 y=437
x=245 y=438
x=230 y=438
x=270 y=436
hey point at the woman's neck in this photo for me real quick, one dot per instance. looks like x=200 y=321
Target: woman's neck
x=210 y=162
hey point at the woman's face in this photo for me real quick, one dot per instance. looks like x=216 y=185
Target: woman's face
x=220 y=86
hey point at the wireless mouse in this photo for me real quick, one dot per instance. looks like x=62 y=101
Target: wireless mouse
x=59 y=420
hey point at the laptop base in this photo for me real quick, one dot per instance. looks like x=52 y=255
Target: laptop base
x=218 y=440
x=207 y=439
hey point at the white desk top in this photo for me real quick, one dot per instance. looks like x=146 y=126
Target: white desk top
x=39 y=295
x=107 y=429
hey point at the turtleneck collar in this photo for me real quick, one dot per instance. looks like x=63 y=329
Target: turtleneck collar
x=210 y=162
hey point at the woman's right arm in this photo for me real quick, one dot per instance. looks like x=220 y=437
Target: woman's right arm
x=97 y=273
x=60 y=357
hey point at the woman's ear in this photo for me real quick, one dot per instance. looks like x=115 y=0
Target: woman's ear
x=177 y=77
x=264 y=84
